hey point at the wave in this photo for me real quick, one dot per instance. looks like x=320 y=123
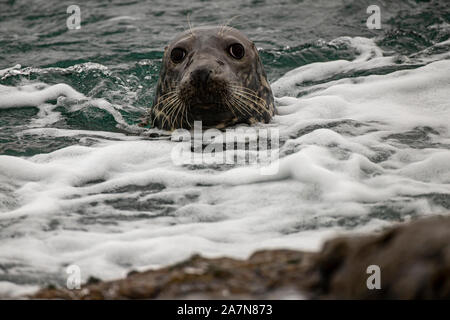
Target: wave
x=364 y=144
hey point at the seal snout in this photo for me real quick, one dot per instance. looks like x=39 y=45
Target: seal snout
x=201 y=76
x=204 y=83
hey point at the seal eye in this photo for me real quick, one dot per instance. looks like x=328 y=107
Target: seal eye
x=236 y=50
x=177 y=55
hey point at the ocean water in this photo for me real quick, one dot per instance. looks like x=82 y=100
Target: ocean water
x=363 y=120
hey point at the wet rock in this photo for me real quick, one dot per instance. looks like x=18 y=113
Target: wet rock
x=414 y=262
x=199 y=277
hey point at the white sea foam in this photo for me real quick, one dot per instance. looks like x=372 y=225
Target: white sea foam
x=122 y=204
x=9 y=289
x=34 y=95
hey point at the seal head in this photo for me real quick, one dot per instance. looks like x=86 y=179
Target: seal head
x=213 y=75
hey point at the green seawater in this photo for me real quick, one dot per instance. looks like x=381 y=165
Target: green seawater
x=127 y=39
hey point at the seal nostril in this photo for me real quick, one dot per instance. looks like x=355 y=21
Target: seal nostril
x=201 y=76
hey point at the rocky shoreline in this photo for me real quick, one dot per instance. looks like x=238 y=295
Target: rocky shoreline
x=413 y=260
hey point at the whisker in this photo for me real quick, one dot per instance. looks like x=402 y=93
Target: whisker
x=168 y=99
x=225 y=25
x=190 y=26
x=179 y=107
x=247 y=90
x=186 y=111
x=256 y=103
x=167 y=107
x=158 y=116
x=248 y=95
x=181 y=118
x=173 y=94
x=230 y=107
x=244 y=106
x=166 y=117
x=166 y=95
x=259 y=102
x=173 y=109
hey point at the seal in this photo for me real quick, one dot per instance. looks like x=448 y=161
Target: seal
x=213 y=75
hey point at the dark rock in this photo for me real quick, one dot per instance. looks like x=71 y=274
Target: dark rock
x=414 y=261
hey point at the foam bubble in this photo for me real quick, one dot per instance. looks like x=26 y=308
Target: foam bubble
x=34 y=95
